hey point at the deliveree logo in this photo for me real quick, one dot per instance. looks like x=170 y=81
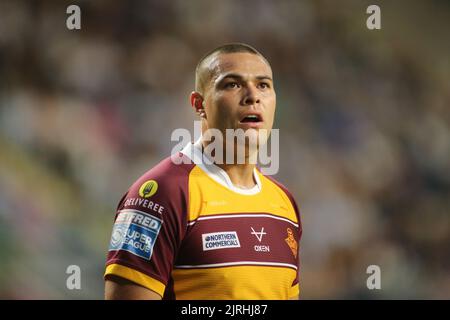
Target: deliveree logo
x=220 y=240
x=148 y=188
x=136 y=232
x=144 y=203
x=290 y=240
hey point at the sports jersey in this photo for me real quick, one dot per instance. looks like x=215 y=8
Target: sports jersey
x=186 y=232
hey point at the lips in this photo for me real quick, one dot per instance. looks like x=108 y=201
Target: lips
x=251 y=118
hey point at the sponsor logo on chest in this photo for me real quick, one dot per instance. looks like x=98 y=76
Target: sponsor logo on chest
x=220 y=240
x=259 y=235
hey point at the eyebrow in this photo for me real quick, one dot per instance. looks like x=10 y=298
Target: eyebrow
x=240 y=77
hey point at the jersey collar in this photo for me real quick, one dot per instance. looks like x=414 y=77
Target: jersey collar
x=195 y=153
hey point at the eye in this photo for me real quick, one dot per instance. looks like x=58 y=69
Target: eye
x=264 y=85
x=231 y=85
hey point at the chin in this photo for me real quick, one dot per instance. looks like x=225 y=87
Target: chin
x=252 y=132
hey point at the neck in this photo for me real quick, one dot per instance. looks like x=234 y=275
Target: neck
x=241 y=175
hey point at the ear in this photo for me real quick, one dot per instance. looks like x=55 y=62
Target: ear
x=197 y=101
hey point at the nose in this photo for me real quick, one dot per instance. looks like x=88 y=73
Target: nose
x=251 y=96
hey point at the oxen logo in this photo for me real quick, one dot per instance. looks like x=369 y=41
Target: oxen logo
x=259 y=234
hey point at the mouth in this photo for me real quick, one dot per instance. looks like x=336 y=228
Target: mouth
x=252 y=118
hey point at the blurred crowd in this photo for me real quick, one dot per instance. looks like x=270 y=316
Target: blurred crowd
x=364 y=119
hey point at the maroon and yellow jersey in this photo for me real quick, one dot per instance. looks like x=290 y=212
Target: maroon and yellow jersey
x=186 y=232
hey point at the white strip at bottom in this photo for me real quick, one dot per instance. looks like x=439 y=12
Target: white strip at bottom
x=240 y=263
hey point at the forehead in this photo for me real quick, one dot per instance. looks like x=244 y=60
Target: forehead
x=243 y=63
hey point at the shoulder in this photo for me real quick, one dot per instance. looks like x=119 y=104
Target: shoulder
x=283 y=189
x=167 y=172
x=165 y=183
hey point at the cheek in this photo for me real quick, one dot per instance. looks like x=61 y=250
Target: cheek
x=219 y=112
x=224 y=107
x=271 y=106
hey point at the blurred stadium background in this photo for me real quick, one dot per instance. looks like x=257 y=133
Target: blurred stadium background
x=364 y=120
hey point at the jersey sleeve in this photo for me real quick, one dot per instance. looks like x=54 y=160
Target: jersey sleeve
x=295 y=289
x=149 y=226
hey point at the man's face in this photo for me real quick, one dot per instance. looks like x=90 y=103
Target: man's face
x=240 y=93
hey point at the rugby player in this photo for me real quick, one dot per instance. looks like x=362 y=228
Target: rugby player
x=197 y=230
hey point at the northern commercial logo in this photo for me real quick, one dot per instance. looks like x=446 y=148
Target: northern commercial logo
x=220 y=240
x=136 y=232
x=148 y=189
